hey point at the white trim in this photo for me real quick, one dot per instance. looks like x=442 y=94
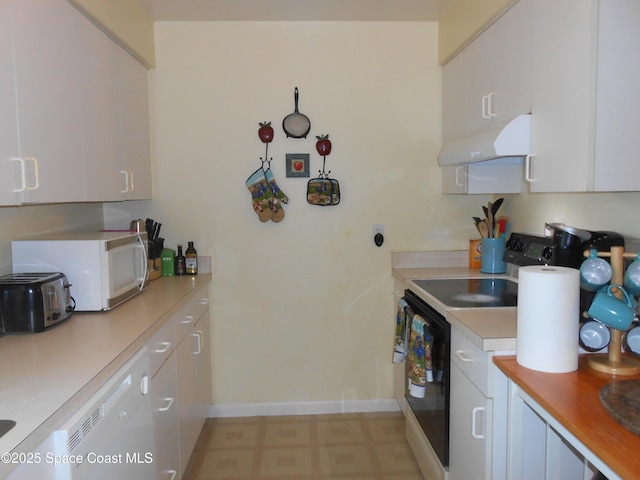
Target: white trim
x=303 y=408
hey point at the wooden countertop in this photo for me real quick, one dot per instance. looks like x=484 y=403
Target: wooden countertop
x=46 y=376
x=573 y=400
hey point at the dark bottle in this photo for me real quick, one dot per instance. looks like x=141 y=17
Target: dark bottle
x=181 y=264
x=191 y=260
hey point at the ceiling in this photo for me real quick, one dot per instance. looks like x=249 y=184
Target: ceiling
x=294 y=10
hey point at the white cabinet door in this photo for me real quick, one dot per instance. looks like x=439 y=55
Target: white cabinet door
x=492 y=177
x=82 y=108
x=51 y=68
x=563 y=102
x=585 y=76
x=134 y=164
x=10 y=178
x=618 y=99
x=194 y=386
x=470 y=429
x=165 y=420
x=187 y=389
x=204 y=375
x=488 y=83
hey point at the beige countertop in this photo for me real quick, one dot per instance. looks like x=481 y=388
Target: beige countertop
x=491 y=329
x=47 y=376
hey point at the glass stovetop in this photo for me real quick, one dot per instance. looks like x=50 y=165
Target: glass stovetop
x=472 y=292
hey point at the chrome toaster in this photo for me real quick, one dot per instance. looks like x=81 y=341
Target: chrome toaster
x=31 y=302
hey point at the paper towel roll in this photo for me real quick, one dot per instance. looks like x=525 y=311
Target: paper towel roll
x=548 y=318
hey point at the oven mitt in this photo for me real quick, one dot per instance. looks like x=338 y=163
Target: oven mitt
x=266 y=196
x=399 y=347
x=323 y=191
x=261 y=195
x=280 y=197
x=417 y=358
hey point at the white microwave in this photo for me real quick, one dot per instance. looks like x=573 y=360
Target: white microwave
x=103 y=268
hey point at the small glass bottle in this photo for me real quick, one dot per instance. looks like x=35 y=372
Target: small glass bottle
x=181 y=264
x=191 y=259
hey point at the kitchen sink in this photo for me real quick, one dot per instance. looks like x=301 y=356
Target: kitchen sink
x=5 y=426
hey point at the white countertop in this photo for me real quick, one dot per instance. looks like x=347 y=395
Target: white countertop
x=491 y=329
x=47 y=376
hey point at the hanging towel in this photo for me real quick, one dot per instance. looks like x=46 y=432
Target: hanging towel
x=400 y=341
x=417 y=358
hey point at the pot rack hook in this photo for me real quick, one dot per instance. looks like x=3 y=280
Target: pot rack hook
x=266 y=158
x=322 y=173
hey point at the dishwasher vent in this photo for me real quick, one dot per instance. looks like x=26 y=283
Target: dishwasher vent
x=83 y=430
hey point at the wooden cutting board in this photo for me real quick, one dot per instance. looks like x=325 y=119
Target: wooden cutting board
x=621 y=400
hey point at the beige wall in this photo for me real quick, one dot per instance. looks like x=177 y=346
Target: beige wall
x=302 y=310
x=127 y=22
x=592 y=211
x=17 y=222
x=463 y=20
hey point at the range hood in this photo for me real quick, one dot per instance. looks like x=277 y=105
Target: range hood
x=512 y=139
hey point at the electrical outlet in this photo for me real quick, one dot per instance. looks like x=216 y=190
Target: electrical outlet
x=378 y=228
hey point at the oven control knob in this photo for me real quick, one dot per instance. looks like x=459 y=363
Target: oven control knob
x=547 y=253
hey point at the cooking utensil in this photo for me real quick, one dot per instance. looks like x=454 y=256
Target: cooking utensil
x=296 y=124
x=483 y=228
x=477 y=221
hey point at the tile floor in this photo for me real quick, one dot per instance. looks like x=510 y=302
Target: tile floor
x=363 y=446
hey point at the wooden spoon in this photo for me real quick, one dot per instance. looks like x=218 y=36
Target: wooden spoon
x=483 y=228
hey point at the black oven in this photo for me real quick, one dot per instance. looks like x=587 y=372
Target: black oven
x=429 y=404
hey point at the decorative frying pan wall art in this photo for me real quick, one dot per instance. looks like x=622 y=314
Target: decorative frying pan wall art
x=296 y=124
x=323 y=191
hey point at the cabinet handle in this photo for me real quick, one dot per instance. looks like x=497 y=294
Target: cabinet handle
x=462 y=356
x=204 y=301
x=131 y=187
x=166 y=346
x=36 y=173
x=126 y=181
x=188 y=319
x=487 y=106
x=459 y=183
x=144 y=385
x=527 y=168
x=474 y=414
x=199 y=339
x=23 y=175
x=169 y=401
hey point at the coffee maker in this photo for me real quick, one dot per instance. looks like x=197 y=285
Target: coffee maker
x=569 y=243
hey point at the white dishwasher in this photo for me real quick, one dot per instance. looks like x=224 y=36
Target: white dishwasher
x=111 y=436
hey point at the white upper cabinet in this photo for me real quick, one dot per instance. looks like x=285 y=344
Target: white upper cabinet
x=586 y=72
x=50 y=70
x=488 y=83
x=134 y=154
x=10 y=178
x=77 y=107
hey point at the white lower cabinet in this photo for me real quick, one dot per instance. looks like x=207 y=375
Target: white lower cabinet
x=470 y=429
x=194 y=386
x=540 y=448
x=478 y=428
x=165 y=420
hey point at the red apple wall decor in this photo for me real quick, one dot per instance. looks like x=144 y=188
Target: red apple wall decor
x=323 y=145
x=265 y=132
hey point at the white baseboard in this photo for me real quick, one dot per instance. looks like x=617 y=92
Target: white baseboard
x=303 y=408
